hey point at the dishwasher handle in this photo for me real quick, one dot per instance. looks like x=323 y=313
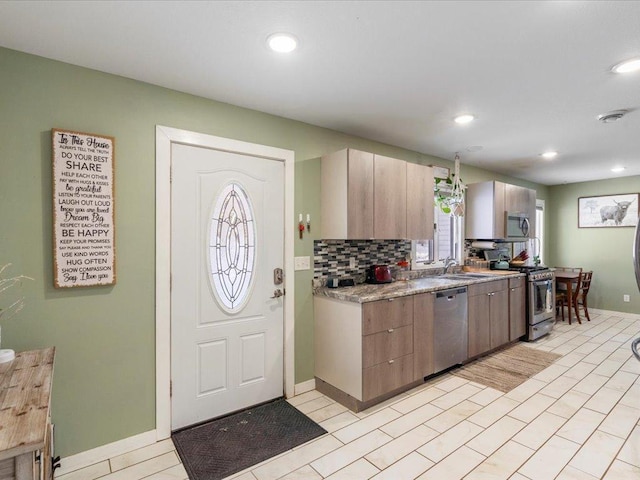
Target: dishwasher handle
x=451 y=293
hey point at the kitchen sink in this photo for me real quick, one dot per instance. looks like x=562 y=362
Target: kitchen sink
x=463 y=276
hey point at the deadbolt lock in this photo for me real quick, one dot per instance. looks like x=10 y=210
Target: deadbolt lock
x=278 y=276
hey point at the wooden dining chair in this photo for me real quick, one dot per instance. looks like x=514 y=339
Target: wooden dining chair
x=580 y=299
x=562 y=299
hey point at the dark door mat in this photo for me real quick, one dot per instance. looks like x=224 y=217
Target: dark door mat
x=222 y=447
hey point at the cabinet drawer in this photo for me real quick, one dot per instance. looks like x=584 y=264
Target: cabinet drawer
x=385 y=314
x=488 y=287
x=517 y=282
x=386 y=345
x=385 y=377
x=7 y=468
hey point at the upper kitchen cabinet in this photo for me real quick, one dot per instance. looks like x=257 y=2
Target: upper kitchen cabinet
x=347 y=195
x=389 y=198
x=419 y=202
x=365 y=196
x=499 y=211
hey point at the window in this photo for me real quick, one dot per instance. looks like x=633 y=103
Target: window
x=447 y=236
x=539 y=243
x=232 y=248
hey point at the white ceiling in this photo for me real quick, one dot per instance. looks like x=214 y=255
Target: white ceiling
x=535 y=73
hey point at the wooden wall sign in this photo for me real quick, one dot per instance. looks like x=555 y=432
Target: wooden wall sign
x=83 y=209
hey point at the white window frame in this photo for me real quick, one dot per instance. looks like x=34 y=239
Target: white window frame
x=457 y=224
x=539 y=233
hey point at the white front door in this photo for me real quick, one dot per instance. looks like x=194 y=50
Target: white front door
x=227 y=238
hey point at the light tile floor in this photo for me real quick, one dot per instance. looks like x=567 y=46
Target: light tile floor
x=579 y=419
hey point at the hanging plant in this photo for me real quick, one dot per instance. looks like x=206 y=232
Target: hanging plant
x=449 y=192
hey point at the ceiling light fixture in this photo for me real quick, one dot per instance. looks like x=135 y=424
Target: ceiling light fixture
x=613 y=116
x=627 y=66
x=549 y=155
x=474 y=148
x=462 y=119
x=282 y=42
x=618 y=169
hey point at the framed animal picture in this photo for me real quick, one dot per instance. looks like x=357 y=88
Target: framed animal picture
x=608 y=211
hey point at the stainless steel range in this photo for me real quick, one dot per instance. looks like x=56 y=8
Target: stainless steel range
x=541 y=300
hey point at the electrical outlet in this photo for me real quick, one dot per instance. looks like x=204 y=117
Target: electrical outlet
x=352 y=262
x=626 y=298
x=301 y=263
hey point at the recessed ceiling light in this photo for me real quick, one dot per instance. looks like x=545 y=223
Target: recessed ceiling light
x=549 y=155
x=627 y=66
x=282 y=42
x=618 y=169
x=466 y=118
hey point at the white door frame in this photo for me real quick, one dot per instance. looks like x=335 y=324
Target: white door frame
x=165 y=136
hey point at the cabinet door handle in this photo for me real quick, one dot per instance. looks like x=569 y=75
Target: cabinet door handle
x=389 y=299
x=391 y=361
x=390 y=330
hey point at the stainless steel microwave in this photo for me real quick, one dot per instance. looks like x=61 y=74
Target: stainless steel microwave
x=517 y=225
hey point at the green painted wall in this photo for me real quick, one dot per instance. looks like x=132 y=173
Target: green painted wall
x=606 y=251
x=104 y=382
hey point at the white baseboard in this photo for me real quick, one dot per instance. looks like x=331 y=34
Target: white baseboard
x=303 y=387
x=105 y=452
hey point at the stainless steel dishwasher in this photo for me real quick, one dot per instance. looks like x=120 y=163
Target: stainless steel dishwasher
x=450 y=329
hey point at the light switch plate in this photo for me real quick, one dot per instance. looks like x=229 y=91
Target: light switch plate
x=302 y=263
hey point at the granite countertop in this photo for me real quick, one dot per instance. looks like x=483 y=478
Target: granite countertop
x=363 y=293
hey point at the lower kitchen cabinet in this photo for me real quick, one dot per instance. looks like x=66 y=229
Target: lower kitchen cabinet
x=387 y=376
x=423 y=317
x=363 y=351
x=488 y=316
x=368 y=352
x=517 y=308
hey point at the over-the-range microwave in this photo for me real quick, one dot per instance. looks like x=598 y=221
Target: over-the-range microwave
x=517 y=226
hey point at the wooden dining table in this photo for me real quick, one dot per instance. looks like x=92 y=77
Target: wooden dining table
x=569 y=279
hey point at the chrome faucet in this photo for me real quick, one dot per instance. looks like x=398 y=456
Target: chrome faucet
x=448 y=263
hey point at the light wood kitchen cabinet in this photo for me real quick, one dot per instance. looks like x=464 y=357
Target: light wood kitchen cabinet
x=423 y=318
x=363 y=350
x=387 y=324
x=346 y=179
x=367 y=196
x=488 y=316
x=389 y=198
x=419 y=202
x=485 y=210
x=517 y=308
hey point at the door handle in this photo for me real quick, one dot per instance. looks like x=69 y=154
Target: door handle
x=277 y=293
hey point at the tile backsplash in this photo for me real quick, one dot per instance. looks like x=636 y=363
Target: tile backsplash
x=334 y=257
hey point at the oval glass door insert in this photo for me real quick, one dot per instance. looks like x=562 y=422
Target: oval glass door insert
x=232 y=248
